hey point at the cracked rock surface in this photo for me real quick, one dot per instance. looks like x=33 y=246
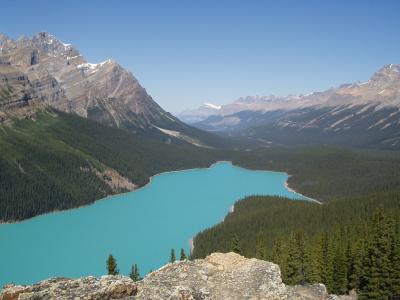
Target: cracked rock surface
x=218 y=276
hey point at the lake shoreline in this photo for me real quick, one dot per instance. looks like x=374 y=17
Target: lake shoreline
x=169 y=201
x=108 y=197
x=294 y=191
x=232 y=208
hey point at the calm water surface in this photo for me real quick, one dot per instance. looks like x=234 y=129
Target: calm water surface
x=137 y=227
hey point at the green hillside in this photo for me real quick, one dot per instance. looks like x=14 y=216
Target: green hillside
x=57 y=161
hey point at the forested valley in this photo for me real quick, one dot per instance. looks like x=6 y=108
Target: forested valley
x=351 y=241
x=327 y=172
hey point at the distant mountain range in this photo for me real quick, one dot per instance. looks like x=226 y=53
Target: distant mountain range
x=256 y=103
x=359 y=114
x=44 y=71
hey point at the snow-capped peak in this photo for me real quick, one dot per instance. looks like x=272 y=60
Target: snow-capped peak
x=213 y=106
x=94 y=66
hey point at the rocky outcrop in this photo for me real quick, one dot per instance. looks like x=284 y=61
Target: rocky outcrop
x=224 y=276
x=219 y=276
x=88 y=288
x=15 y=88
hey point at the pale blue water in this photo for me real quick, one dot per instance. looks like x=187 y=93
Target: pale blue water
x=137 y=227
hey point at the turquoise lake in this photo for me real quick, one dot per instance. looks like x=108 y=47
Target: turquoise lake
x=137 y=227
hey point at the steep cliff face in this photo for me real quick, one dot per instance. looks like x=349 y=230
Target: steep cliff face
x=17 y=96
x=219 y=276
x=14 y=86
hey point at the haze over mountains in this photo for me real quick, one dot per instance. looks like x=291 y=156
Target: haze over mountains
x=358 y=114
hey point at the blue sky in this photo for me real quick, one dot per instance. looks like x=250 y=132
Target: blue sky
x=189 y=52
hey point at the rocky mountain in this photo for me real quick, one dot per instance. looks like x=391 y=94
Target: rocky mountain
x=359 y=114
x=43 y=69
x=219 y=276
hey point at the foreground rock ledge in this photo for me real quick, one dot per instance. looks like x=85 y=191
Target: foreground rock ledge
x=219 y=276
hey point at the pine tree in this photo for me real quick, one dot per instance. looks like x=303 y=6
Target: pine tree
x=112 y=266
x=235 y=244
x=314 y=260
x=279 y=255
x=328 y=255
x=356 y=254
x=260 y=246
x=172 y=257
x=377 y=265
x=395 y=262
x=340 y=270
x=183 y=255
x=134 y=274
x=295 y=268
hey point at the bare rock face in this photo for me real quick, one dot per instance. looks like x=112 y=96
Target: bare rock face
x=14 y=86
x=225 y=276
x=17 y=96
x=217 y=277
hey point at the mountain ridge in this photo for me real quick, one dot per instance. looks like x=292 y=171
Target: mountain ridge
x=359 y=114
x=388 y=76
x=57 y=75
